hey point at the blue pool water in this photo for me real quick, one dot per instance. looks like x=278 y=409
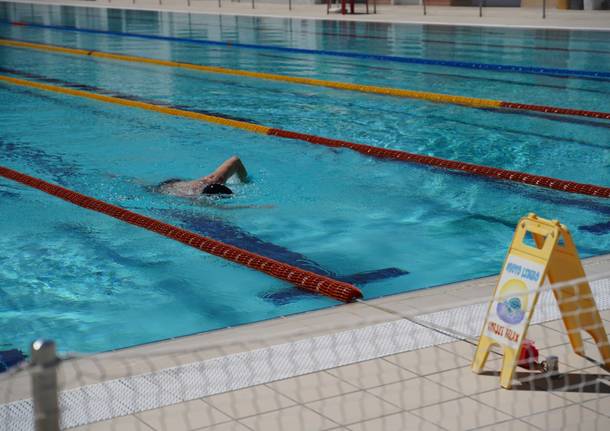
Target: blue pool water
x=93 y=283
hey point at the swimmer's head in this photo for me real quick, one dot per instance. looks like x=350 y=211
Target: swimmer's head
x=216 y=189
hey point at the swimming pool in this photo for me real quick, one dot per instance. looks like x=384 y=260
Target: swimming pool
x=94 y=284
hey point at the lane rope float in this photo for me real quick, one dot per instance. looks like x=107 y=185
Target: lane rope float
x=304 y=279
x=537 y=70
x=382 y=153
x=387 y=91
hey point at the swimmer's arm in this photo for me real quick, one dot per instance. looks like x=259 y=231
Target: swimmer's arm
x=228 y=168
x=238 y=168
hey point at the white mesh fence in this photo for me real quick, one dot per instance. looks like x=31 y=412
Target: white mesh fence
x=363 y=366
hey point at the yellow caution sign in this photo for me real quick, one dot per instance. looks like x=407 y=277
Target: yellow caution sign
x=551 y=255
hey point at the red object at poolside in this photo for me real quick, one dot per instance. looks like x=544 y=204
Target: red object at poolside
x=528 y=357
x=351 y=6
x=304 y=279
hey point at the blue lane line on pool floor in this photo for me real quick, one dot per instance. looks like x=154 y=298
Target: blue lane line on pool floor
x=576 y=73
x=233 y=235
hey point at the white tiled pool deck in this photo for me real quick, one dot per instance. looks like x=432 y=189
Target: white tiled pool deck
x=427 y=388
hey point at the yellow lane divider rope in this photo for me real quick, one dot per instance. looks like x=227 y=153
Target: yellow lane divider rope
x=424 y=95
x=142 y=105
x=473 y=102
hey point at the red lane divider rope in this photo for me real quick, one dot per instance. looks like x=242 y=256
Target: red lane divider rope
x=296 y=276
x=384 y=153
x=485 y=171
x=554 y=110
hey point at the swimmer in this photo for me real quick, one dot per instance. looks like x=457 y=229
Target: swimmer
x=212 y=184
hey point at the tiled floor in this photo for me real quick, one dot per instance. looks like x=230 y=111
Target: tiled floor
x=427 y=389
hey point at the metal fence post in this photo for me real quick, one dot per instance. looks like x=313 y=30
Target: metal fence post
x=44 y=386
x=543 y=9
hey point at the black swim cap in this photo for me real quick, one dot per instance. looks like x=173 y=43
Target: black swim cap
x=216 y=189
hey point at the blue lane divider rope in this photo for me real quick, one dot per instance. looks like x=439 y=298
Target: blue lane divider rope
x=391 y=58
